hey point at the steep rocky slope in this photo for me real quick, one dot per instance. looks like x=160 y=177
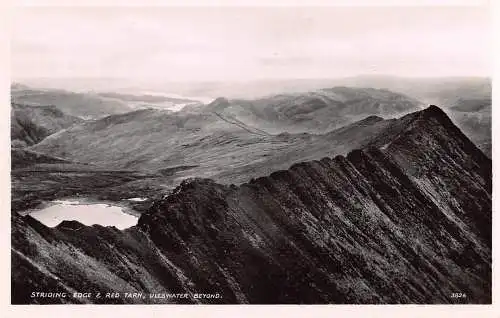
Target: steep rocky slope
x=404 y=219
x=31 y=124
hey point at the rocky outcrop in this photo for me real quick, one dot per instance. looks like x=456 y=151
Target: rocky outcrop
x=404 y=219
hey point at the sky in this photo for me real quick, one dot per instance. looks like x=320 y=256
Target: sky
x=200 y=44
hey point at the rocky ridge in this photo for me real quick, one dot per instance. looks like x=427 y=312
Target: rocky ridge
x=404 y=219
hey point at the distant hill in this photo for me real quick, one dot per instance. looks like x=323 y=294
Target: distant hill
x=31 y=124
x=422 y=88
x=466 y=99
x=147 y=139
x=219 y=144
x=141 y=101
x=243 y=120
x=96 y=104
x=316 y=111
x=146 y=98
x=415 y=87
x=85 y=105
x=474 y=117
x=440 y=90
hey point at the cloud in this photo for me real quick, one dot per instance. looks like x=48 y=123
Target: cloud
x=236 y=43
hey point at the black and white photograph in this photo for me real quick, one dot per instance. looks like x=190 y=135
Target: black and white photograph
x=319 y=155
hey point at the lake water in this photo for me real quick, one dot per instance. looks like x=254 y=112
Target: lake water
x=85 y=213
x=137 y=199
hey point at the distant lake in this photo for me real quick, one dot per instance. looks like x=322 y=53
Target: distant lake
x=86 y=213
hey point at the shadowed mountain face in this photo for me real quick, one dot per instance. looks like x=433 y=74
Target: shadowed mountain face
x=406 y=218
x=31 y=124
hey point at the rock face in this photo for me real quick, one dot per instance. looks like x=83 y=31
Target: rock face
x=404 y=219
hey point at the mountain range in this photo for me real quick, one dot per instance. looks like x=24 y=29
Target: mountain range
x=316 y=111
x=94 y=104
x=231 y=140
x=281 y=192
x=307 y=107
x=399 y=211
x=84 y=105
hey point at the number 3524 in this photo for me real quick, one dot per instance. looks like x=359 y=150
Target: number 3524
x=458 y=295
